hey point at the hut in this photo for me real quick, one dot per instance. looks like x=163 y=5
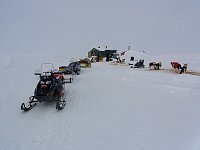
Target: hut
x=103 y=52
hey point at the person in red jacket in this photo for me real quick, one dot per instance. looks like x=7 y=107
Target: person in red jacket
x=176 y=65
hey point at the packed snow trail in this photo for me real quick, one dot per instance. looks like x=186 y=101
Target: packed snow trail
x=107 y=107
x=44 y=124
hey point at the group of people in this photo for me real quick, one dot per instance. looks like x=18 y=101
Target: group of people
x=178 y=66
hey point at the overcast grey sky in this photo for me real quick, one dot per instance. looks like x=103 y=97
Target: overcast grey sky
x=163 y=26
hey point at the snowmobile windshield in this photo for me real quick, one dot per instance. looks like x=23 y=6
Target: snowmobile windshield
x=46 y=69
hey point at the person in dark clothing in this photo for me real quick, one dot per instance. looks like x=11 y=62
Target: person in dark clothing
x=183 y=69
x=107 y=57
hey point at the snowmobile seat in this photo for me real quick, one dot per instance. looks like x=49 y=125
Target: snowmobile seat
x=45 y=78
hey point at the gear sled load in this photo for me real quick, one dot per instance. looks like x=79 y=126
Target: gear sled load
x=139 y=64
x=49 y=88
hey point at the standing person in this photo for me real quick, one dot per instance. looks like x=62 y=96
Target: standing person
x=107 y=57
x=98 y=57
x=183 y=69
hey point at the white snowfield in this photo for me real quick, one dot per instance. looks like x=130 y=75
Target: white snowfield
x=108 y=107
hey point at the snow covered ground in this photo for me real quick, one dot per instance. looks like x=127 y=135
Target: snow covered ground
x=108 y=107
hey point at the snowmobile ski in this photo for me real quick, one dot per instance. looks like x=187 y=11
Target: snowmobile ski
x=30 y=104
x=28 y=107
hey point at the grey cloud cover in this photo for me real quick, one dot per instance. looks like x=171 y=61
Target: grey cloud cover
x=156 y=26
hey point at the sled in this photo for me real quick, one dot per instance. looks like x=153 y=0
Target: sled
x=85 y=63
x=68 y=74
x=139 y=64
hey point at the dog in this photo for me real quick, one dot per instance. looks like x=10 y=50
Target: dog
x=154 y=65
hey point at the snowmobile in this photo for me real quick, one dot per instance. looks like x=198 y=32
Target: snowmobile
x=49 y=88
x=75 y=67
x=139 y=64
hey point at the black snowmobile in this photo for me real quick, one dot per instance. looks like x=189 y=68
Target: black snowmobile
x=139 y=64
x=49 y=88
x=75 y=67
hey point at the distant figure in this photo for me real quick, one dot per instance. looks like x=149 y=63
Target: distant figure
x=119 y=60
x=132 y=58
x=98 y=57
x=107 y=57
x=176 y=65
x=183 y=69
